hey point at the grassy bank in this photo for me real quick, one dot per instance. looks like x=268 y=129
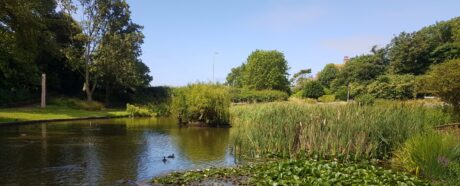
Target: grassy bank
x=293 y=172
x=54 y=112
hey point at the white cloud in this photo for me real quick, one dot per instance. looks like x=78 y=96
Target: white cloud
x=285 y=17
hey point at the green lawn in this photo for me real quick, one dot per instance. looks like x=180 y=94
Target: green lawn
x=53 y=112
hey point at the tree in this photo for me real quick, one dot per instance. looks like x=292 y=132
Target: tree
x=95 y=15
x=32 y=35
x=328 y=74
x=235 y=77
x=300 y=78
x=443 y=81
x=116 y=61
x=313 y=89
x=266 y=70
x=393 y=87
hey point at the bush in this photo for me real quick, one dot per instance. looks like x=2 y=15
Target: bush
x=327 y=98
x=77 y=104
x=136 y=111
x=429 y=154
x=393 y=87
x=245 y=95
x=162 y=109
x=203 y=103
x=313 y=89
x=365 y=99
x=443 y=81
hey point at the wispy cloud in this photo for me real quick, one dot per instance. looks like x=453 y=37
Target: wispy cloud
x=283 y=17
x=353 y=45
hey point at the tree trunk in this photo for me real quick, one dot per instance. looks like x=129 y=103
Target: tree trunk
x=89 y=93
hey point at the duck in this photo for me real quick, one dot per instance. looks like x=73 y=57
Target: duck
x=164 y=159
x=171 y=156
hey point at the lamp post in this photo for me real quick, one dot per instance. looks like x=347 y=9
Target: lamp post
x=213 y=61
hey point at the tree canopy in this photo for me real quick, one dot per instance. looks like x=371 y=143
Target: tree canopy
x=262 y=70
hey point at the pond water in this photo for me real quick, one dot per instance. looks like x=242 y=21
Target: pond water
x=106 y=152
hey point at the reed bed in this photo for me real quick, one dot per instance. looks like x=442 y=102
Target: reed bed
x=343 y=131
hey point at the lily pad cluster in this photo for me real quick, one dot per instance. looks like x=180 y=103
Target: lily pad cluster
x=294 y=172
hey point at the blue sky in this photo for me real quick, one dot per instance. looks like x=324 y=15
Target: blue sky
x=181 y=36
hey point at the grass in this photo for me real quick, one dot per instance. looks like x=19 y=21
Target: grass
x=343 y=131
x=293 y=172
x=53 y=112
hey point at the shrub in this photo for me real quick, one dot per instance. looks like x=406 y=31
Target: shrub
x=162 y=109
x=365 y=99
x=136 y=111
x=245 y=95
x=204 y=103
x=430 y=154
x=443 y=81
x=313 y=89
x=393 y=87
x=327 y=98
x=77 y=104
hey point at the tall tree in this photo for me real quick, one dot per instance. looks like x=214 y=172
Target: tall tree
x=116 y=61
x=266 y=70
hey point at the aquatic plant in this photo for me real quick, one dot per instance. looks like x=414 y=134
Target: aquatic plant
x=204 y=103
x=294 y=172
x=430 y=154
x=344 y=131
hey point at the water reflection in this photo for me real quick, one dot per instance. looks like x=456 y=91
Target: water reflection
x=106 y=152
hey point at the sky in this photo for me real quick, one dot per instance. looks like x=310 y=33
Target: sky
x=183 y=38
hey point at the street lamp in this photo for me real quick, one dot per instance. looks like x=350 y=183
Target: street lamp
x=213 y=61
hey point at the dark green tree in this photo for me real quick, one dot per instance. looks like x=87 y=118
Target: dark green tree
x=117 y=62
x=328 y=74
x=313 y=89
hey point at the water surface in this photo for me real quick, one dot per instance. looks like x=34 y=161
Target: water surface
x=106 y=152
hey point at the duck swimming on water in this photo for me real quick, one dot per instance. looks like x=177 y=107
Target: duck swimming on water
x=171 y=156
x=164 y=159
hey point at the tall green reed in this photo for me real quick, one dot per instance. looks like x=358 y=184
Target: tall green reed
x=348 y=132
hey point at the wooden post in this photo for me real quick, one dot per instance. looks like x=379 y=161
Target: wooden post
x=43 y=99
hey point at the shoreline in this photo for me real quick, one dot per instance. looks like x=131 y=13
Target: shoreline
x=27 y=122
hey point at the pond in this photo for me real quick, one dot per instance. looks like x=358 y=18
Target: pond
x=107 y=152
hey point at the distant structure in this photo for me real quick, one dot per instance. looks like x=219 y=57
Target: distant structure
x=346 y=59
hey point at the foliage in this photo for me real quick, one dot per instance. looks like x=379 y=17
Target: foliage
x=294 y=172
x=361 y=69
x=136 y=111
x=77 y=104
x=328 y=74
x=32 y=34
x=235 y=77
x=204 y=103
x=327 y=98
x=255 y=96
x=429 y=154
x=393 y=87
x=414 y=53
x=313 y=89
x=365 y=99
x=262 y=70
x=443 y=81
x=345 y=131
